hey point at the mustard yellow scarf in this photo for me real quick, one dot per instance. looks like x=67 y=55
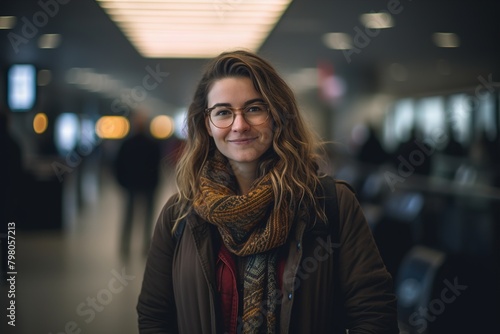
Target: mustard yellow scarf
x=250 y=227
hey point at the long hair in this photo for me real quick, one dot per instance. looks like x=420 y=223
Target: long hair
x=292 y=160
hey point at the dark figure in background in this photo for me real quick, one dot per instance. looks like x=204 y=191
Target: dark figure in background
x=454 y=148
x=415 y=154
x=371 y=150
x=137 y=166
x=11 y=184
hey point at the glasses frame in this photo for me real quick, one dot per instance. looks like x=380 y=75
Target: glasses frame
x=208 y=112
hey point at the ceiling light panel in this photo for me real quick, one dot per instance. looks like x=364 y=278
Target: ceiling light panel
x=49 y=41
x=194 y=28
x=377 y=20
x=446 y=39
x=7 y=22
x=337 y=40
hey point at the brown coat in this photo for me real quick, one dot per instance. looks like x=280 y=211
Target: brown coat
x=327 y=287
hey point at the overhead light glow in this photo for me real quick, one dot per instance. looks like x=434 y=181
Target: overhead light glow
x=198 y=29
x=446 y=39
x=377 y=20
x=49 y=41
x=337 y=40
x=7 y=22
x=21 y=87
x=66 y=132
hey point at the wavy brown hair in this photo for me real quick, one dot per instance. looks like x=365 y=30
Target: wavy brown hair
x=292 y=160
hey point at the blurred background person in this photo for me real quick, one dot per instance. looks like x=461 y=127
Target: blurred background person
x=370 y=150
x=10 y=183
x=136 y=168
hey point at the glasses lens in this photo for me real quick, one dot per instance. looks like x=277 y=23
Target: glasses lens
x=256 y=114
x=223 y=117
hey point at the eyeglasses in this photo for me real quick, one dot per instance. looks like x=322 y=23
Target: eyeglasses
x=223 y=116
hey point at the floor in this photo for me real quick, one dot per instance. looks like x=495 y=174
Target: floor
x=74 y=280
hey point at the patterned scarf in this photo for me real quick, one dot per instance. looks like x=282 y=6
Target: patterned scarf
x=249 y=227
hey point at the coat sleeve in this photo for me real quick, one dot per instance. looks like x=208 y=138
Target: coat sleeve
x=156 y=305
x=367 y=287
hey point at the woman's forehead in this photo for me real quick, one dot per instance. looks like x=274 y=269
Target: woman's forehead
x=232 y=90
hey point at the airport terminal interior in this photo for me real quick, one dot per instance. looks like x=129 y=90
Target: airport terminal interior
x=406 y=94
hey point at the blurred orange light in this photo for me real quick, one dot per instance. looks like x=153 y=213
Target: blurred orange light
x=162 y=127
x=40 y=123
x=112 y=127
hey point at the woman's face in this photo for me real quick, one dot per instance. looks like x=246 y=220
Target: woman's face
x=243 y=144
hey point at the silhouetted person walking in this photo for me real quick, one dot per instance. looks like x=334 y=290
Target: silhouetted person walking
x=11 y=185
x=137 y=167
x=371 y=150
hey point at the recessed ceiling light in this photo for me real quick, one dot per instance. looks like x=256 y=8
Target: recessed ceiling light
x=446 y=39
x=377 y=20
x=198 y=29
x=337 y=40
x=7 y=22
x=49 y=41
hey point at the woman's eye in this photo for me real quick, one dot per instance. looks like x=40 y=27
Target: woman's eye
x=255 y=108
x=223 y=112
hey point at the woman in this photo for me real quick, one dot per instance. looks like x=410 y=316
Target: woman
x=246 y=245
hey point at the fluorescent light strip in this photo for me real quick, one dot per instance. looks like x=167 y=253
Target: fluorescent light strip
x=7 y=22
x=337 y=40
x=227 y=22
x=167 y=28
x=208 y=6
x=213 y=3
x=189 y=38
x=377 y=20
x=49 y=41
x=146 y=27
x=446 y=39
x=250 y=12
x=234 y=2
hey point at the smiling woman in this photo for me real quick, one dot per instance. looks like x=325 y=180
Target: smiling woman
x=242 y=138
x=252 y=209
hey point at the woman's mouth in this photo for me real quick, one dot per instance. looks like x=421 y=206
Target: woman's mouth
x=241 y=141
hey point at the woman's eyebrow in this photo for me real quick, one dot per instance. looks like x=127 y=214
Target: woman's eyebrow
x=226 y=104
x=253 y=101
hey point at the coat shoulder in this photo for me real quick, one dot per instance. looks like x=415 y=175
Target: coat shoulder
x=342 y=187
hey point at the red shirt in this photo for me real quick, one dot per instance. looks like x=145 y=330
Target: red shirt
x=227 y=286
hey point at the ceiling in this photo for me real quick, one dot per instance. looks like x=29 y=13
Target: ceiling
x=91 y=40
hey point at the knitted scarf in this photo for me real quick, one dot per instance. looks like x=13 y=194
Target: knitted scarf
x=249 y=227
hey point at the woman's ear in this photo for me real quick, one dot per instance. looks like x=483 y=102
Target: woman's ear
x=207 y=125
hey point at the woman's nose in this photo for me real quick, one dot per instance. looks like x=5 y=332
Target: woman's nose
x=240 y=123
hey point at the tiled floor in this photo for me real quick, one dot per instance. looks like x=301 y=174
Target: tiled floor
x=74 y=279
